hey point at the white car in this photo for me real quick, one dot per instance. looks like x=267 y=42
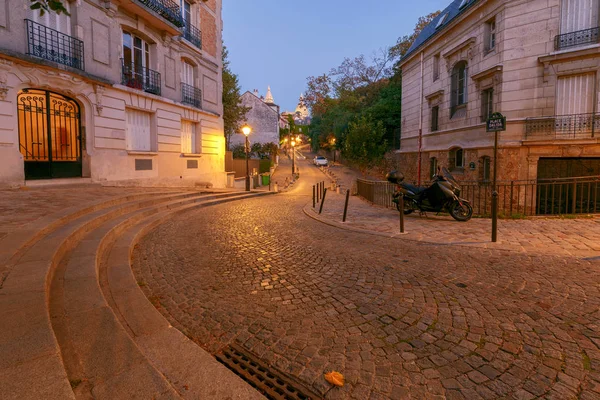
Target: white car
x=320 y=161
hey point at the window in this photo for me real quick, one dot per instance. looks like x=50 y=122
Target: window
x=138 y=136
x=186 y=12
x=484 y=173
x=187 y=73
x=490 y=35
x=459 y=87
x=463 y=3
x=433 y=167
x=436 y=67
x=456 y=160
x=578 y=15
x=435 y=111
x=188 y=137
x=136 y=52
x=575 y=94
x=60 y=22
x=487 y=104
x=441 y=21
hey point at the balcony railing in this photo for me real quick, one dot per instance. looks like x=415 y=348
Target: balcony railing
x=193 y=35
x=586 y=36
x=577 y=126
x=142 y=78
x=168 y=9
x=52 y=45
x=190 y=95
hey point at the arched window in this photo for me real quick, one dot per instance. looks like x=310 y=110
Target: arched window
x=456 y=161
x=459 y=87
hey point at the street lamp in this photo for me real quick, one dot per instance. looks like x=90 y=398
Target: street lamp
x=246 y=131
x=333 y=147
x=293 y=158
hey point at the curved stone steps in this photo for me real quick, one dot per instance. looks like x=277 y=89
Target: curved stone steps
x=98 y=355
x=30 y=360
x=14 y=245
x=193 y=372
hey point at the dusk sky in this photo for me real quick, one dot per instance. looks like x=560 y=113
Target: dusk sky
x=281 y=42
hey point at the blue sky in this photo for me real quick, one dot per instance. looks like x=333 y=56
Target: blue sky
x=282 y=42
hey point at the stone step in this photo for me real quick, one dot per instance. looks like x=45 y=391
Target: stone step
x=102 y=367
x=30 y=359
x=14 y=245
x=193 y=372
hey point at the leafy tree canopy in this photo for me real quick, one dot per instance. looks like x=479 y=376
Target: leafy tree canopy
x=233 y=112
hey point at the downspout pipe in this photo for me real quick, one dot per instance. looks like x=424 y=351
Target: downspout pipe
x=420 y=142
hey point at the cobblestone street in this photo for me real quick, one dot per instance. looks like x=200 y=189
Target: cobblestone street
x=400 y=319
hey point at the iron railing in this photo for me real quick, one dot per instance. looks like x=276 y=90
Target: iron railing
x=575 y=126
x=193 y=35
x=191 y=95
x=52 y=45
x=571 y=39
x=142 y=78
x=559 y=196
x=167 y=9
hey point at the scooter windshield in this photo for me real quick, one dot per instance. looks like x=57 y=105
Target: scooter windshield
x=448 y=177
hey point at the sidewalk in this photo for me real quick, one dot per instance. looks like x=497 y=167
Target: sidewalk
x=575 y=237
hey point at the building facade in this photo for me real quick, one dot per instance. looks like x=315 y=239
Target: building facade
x=262 y=116
x=118 y=90
x=535 y=61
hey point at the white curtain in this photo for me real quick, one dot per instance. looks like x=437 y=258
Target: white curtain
x=575 y=94
x=138 y=137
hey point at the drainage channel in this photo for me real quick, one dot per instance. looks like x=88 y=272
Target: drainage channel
x=271 y=383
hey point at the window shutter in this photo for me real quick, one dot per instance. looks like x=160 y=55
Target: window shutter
x=188 y=137
x=138 y=136
x=577 y=15
x=575 y=94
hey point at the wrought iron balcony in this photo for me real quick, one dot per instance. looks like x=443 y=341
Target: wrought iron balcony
x=142 y=78
x=586 y=36
x=191 y=95
x=193 y=35
x=167 y=9
x=577 y=126
x=52 y=45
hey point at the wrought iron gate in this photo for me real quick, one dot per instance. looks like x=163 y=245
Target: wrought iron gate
x=49 y=134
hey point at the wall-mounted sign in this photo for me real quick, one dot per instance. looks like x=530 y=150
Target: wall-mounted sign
x=496 y=123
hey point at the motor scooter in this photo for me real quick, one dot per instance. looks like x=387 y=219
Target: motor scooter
x=442 y=195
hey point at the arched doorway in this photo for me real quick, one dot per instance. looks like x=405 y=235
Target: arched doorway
x=49 y=134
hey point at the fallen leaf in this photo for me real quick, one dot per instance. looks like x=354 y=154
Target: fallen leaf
x=335 y=378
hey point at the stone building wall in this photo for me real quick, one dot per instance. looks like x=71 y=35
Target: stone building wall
x=103 y=100
x=263 y=119
x=522 y=69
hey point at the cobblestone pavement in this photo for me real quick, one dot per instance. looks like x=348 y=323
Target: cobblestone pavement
x=400 y=319
x=21 y=206
x=578 y=237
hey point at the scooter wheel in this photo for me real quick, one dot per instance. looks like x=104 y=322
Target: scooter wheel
x=460 y=212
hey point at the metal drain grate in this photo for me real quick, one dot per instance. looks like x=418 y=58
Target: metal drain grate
x=273 y=384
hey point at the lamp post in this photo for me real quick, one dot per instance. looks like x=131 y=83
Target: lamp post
x=246 y=131
x=293 y=158
x=333 y=147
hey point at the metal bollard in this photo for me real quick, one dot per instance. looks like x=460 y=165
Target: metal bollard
x=401 y=203
x=322 y=201
x=346 y=205
x=494 y=216
x=314 y=195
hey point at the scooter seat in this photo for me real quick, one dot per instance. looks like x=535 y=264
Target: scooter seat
x=413 y=188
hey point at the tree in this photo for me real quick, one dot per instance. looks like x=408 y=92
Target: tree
x=365 y=144
x=233 y=112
